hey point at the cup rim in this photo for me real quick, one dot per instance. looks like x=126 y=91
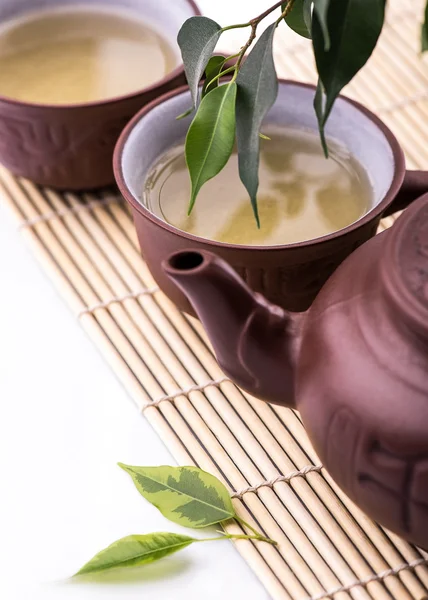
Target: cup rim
x=371 y=215
x=168 y=78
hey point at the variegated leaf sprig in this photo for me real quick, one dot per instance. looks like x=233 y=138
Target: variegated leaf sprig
x=186 y=496
x=344 y=34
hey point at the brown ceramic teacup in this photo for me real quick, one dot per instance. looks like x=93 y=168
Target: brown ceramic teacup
x=71 y=146
x=289 y=275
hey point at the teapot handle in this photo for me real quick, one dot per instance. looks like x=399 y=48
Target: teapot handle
x=415 y=184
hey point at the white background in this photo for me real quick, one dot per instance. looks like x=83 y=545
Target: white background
x=64 y=424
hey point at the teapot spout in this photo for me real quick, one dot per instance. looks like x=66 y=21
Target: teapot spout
x=256 y=343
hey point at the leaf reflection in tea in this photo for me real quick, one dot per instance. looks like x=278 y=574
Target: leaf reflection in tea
x=80 y=54
x=302 y=195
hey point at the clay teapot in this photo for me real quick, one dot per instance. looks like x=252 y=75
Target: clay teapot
x=355 y=364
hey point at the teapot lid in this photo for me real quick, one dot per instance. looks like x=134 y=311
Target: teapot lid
x=405 y=265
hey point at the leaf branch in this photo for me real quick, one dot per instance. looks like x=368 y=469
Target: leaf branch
x=287 y=10
x=267 y=12
x=254 y=23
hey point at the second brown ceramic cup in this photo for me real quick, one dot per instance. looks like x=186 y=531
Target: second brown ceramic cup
x=71 y=147
x=289 y=275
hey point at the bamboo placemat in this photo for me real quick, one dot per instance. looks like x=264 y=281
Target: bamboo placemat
x=327 y=547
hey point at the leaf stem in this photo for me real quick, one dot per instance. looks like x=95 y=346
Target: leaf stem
x=231 y=57
x=247 y=525
x=239 y=26
x=228 y=70
x=258 y=538
x=231 y=536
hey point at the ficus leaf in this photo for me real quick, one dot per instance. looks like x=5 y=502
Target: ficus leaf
x=300 y=17
x=136 y=550
x=354 y=27
x=197 y=39
x=425 y=31
x=210 y=139
x=319 y=111
x=213 y=68
x=187 y=496
x=257 y=92
x=321 y=9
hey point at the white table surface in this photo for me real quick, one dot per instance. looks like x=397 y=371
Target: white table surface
x=65 y=423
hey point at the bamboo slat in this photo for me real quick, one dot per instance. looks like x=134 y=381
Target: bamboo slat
x=327 y=547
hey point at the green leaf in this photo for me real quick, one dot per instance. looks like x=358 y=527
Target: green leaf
x=319 y=111
x=136 y=550
x=354 y=27
x=321 y=9
x=425 y=31
x=300 y=17
x=197 y=39
x=257 y=92
x=187 y=496
x=210 y=139
x=213 y=68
